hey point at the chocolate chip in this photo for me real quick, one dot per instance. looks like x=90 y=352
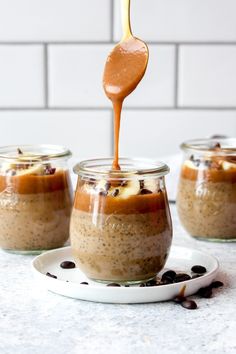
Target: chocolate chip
x=107 y=186
x=51 y=275
x=205 y=292
x=145 y=191
x=102 y=193
x=67 y=265
x=216 y=284
x=215 y=145
x=170 y=274
x=151 y=282
x=166 y=280
x=126 y=285
x=113 y=284
x=141 y=183
x=115 y=193
x=207 y=163
x=181 y=277
x=189 y=304
x=179 y=299
x=191 y=158
x=49 y=170
x=198 y=269
x=19 y=151
x=84 y=283
x=197 y=276
x=197 y=162
x=123 y=183
x=91 y=181
x=142 y=285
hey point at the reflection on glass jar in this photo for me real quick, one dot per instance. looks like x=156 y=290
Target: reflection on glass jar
x=206 y=199
x=35 y=198
x=120 y=226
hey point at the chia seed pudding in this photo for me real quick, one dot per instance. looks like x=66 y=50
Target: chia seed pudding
x=206 y=199
x=121 y=231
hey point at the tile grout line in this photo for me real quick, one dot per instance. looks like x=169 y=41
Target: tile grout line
x=91 y=42
x=112 y=22
x=176 y=98
x=46 y=76
x=133 y=108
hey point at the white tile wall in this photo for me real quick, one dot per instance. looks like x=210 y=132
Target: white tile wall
x=86 y=133
x=207 y=76
x=52 y=54
x=21 y=76
x=75 y=77
x=157 y=88
x=181 y=20
x=54 y=20
x=157 y=133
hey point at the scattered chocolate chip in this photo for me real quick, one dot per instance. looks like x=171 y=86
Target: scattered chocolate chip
x=151 y=282
x=189 y=304
x=113 y=284
x=102 y=193
x=67 y=265
x=205 y=292
x=181 y=277
x=197 y=276
x=115 y=193
x=19 y=151
x=142 y=285
x=126 y=285
x=145 y=191
x=198 y=269
x=178 y=299
x=216 y=284
x=169 y=274
x=84 y=283
x=141 y=183
x=51 y=275
x=107 y=186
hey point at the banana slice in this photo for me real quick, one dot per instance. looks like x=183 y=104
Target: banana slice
x=34 y=170
x=228 y=165
x=190 y=164
x=152 y=185
x=132 y=187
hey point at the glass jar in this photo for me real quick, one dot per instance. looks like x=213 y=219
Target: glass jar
x=35 y=198
x=121 y=227
x=206 y=199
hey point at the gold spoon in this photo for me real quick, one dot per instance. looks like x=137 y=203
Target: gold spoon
x=124 y=68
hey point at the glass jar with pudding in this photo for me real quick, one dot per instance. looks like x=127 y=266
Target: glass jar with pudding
x=206 y=199
x=121 y=227
x=35 y=198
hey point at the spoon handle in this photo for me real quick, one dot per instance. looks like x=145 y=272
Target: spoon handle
x=125 y=14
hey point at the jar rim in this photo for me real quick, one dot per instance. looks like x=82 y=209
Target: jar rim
x=37 y=152
x=228 y=145
x=130 y=167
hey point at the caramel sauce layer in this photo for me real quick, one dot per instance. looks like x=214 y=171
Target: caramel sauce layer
x=210 y=175
x=114 y=205
x=31 y=184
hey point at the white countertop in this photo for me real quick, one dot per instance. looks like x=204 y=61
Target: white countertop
x=34 y=321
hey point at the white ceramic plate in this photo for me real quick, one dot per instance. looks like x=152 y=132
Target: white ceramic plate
x=68 y=281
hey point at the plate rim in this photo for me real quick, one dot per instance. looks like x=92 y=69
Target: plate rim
x=122 y=288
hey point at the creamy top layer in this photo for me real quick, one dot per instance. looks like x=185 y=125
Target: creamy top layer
x=216 y=170
x=30 y=184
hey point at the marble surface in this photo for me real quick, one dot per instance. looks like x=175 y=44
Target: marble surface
x=34 y=321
